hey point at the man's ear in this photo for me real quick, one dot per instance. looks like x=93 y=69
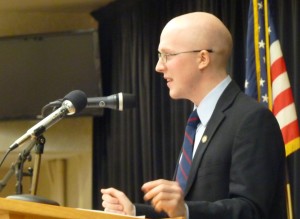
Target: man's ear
x=203 y=59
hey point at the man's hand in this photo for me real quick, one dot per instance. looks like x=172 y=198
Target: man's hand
x=165 y=196
x=116 y=201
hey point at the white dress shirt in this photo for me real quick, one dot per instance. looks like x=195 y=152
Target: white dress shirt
x=206 y=108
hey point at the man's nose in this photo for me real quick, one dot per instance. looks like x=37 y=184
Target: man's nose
x=160 y=66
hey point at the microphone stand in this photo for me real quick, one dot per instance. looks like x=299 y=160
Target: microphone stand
x=39 y=150
x=7 y=176
x=39 y=143
x=17 y=169
x=23 y=156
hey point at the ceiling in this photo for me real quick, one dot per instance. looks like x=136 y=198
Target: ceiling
x=51 y=5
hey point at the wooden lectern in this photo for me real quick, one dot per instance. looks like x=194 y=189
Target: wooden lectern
x=16 y=209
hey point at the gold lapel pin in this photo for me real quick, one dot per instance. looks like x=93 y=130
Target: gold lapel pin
x=204 y=138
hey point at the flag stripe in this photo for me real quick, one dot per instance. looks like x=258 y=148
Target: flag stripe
x=278 y=67
x=286 y=115
x=280 y=84
x=290 y=132
x=275 y=51
x=282 y=100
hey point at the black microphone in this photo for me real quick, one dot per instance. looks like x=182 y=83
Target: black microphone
x=73 y=102
x=118 y=101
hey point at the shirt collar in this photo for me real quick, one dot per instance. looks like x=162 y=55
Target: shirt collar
x=208 y=104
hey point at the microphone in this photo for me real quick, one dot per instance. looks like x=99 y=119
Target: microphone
x=118 y=101
x=73 y=102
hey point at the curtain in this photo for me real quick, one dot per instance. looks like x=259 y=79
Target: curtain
x=142 y=144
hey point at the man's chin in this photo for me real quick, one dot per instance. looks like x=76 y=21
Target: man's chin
x=174 y=96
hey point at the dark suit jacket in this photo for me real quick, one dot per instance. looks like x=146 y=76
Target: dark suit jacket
x=238 y=172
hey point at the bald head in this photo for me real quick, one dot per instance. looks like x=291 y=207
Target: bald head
x=200 y=30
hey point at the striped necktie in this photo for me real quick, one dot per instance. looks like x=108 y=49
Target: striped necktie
x=187 y=150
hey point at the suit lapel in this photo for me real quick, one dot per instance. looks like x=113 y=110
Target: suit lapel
x=225 y=101
x=204 y=143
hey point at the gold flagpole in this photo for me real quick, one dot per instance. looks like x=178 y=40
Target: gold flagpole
x=268 y=65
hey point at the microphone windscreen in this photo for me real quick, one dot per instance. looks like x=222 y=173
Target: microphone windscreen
x=129 y=101
x=78 y=99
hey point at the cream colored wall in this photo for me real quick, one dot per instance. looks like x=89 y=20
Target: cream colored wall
x=73 y=187
x=66 y=169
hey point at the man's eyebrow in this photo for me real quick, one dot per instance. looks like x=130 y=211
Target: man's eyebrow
x=165 y=51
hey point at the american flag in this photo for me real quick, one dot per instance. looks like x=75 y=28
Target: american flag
x=267 y=79
x=266 y=75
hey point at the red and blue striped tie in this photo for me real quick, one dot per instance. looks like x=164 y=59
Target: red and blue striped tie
x=187 y=150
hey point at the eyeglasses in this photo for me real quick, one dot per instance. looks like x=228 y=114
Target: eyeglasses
x=164 y=57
